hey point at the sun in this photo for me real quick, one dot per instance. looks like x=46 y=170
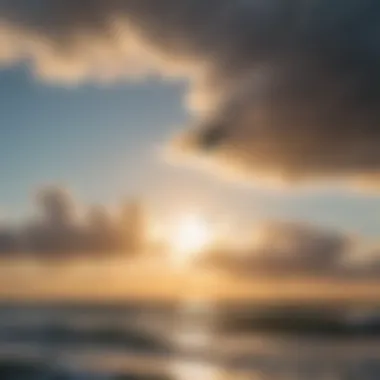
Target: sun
x=190 y=237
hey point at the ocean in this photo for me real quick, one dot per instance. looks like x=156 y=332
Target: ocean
x=186 y=341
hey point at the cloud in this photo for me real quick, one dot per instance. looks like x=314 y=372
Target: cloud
x=289 y=90
x=286 y=244
x=295 y=248
x=63 y=227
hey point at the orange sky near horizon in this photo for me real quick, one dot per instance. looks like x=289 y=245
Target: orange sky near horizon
x=111 y=282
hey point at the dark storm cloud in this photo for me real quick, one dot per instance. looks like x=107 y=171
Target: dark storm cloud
x=58 y=228
x=291 y=87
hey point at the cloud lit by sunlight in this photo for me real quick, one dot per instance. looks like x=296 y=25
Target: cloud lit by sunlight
x=264 y=104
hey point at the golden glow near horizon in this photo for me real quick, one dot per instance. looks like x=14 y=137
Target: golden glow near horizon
x=190 y=236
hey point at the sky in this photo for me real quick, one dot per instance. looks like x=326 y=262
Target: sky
x=104 y=143
x=260 y=115
x=259 y=111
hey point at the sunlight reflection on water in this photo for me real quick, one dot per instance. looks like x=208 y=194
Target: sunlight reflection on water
x=197 y=350
x=195 y=370
x=193 y=329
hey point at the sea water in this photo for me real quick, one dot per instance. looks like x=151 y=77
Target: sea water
x=184 y=341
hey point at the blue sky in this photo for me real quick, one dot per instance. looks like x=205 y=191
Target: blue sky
x=103 y=143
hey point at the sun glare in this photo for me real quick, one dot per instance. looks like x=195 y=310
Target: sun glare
x=190 y=237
